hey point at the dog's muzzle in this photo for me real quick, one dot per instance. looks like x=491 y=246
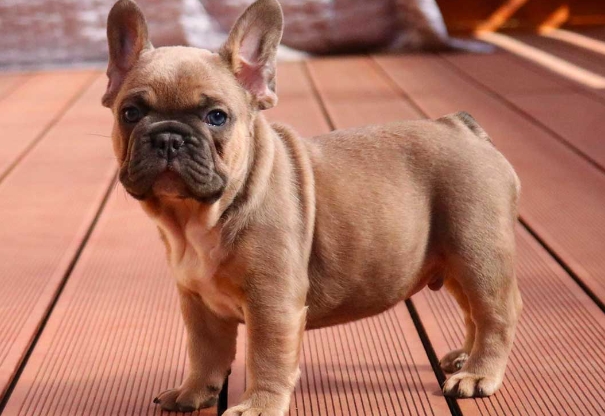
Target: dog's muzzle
x=169 y=159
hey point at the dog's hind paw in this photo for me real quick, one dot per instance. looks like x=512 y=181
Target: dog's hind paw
x=181 y=400
x=453 y=361
x=465 y=384
x=247 y=410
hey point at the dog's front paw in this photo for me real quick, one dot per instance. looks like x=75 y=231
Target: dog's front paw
x=453 y=361
x=465 y=384
x=187 y=399
x=260 y=404
x=248 y=409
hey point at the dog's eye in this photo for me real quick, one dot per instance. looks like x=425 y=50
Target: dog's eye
x=131 y=114
x=216 y=118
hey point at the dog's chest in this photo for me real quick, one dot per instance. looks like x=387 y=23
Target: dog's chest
x=195 y=260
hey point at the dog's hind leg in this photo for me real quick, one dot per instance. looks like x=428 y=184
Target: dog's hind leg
x=484 y=270
x=455 y=359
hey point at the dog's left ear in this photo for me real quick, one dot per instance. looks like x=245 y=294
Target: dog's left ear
x=127 y=37
x=251 y=50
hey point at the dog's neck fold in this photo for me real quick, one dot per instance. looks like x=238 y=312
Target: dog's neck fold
x=231 y=213
x=238 y=204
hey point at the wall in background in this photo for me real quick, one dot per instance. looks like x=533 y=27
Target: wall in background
x=43 y=32
x=35 y=32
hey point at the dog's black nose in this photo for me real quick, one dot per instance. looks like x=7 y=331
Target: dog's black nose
x=167 y=144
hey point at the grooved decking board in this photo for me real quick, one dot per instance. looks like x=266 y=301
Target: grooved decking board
x=47 y=204
x=510 y=75
x=369 y=367
x=33 y=107
x=558 y=358
x=575 y=116
x=599 y=93
x=115 y=338
x=563 y=195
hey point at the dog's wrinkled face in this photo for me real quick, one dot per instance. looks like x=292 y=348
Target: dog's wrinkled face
x=182 y=115
x=175 y=114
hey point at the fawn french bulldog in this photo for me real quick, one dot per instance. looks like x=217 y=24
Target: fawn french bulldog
x=283 y=233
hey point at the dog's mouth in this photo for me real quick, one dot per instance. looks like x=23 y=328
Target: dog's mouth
x=169 y=184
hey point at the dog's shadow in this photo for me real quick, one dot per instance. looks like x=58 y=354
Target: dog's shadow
x=86 y=392
x=367 y=379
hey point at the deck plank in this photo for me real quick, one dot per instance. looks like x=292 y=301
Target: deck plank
x=496 y=73
x=563 y=194
x=32 y=108
x=581 y=57
x=547 y=339
x=47 y=204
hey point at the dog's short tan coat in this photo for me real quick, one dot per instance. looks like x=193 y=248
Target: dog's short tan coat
x=282 y=233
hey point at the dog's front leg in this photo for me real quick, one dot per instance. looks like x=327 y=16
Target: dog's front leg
x=273 y=350
x=211 y=347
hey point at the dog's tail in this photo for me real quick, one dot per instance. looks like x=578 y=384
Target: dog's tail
x=465 y=119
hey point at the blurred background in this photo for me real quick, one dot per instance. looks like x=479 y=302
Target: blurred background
x=57 y=32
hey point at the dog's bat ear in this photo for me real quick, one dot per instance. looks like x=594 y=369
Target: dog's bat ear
x=251 y=50
x=127 y=37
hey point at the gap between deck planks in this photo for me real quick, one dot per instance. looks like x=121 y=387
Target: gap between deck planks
x=48 y=201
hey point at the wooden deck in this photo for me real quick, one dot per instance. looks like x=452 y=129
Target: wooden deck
x=89 y=320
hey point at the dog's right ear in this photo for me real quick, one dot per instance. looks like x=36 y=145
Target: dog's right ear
x=127 y=37
x=251 y=48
